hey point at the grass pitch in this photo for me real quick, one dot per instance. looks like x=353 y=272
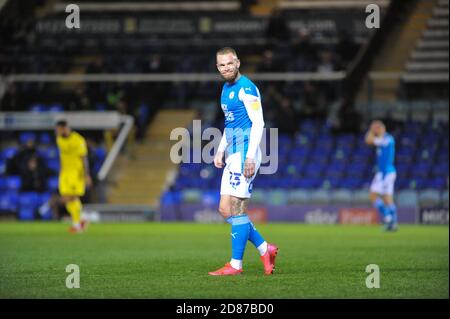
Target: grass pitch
x=155 y=260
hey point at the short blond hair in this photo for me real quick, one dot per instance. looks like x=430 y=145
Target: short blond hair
x=226 y=50
x=379 y=123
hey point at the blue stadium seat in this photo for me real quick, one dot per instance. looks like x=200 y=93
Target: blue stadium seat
x=337 y=165
x=54 y=165
x=28 y=204
x=406 y=151
x=51 y=153
x=3 y=183
x=333 y=171
x=56 y=107
x=3 y=164
x=418 y=183
x=214 y=183
x=45 y=138
x=351 y=183
x=300 y=152
x=9 y=152
x=439 y=183
x=340 y=155
x=325 y=143
x=355 y=173
x=26 y=213
x=289 y=170
x=38 y=108
x=52 y=183
x=303 y=140
x=332 y=182
x=426 y=154
x=440 y=169
x=171 y=198
x=262 y=185
x=308 y=183
x=421 y=170
x=403 y=172
x=407 y=142
x=318 y=158
x=357 y=167
x=365 y=152
x=210 y=198
x=404 y=159
x=10 y=183
x=359 y=158
x=314 y=169
x=345 y=141
x=402 y=183
x=9 y=201
x=29 y=199
x=27 y=136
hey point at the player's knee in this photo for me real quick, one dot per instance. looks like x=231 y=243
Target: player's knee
x=68 y=199
x=388 y=200
x=224 y=211
x=373 y=197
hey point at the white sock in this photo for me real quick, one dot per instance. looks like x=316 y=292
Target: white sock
x=262 y=248
x=236 y=263
x=77 y=225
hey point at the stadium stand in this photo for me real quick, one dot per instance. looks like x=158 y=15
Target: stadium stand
x=318 y=160
x=322 y=158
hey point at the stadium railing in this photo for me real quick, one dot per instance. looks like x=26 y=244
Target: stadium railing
x=171 y=77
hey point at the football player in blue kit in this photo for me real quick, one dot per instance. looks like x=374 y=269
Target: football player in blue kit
x=239 y=146
x=382 y=187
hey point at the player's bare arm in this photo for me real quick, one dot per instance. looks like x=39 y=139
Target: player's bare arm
x=218 y=160
x=370 y=137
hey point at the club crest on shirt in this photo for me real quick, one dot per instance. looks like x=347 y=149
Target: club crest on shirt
x=256 y=105
x=231 y=95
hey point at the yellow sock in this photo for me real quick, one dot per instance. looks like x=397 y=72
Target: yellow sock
x=74 y=208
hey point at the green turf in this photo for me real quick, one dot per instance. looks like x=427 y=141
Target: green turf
x=155 y=260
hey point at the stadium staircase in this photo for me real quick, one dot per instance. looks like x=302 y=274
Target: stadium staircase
x=430 y=55
x=396 y=52
x=141 y=179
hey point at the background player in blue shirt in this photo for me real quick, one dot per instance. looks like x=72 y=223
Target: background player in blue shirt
x=382 y=187
x=244 y=124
